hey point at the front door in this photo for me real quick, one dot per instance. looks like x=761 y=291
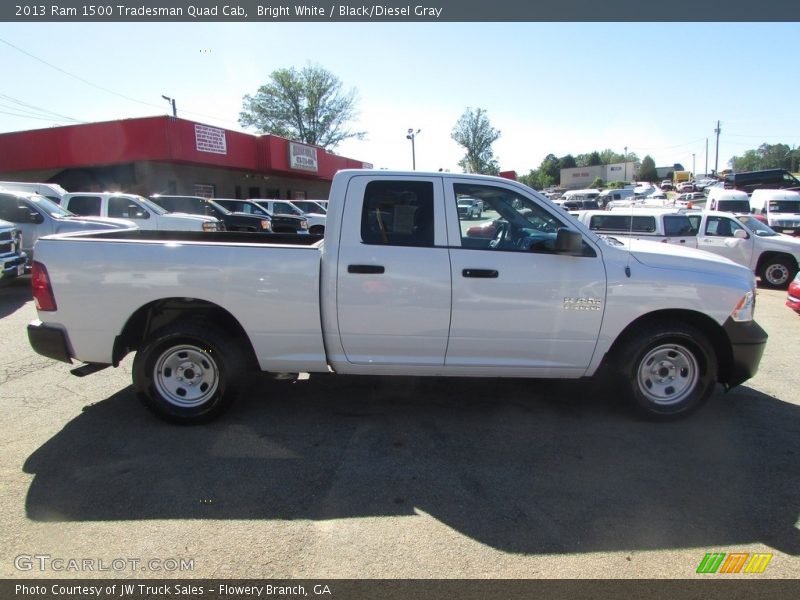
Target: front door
x=517 y=304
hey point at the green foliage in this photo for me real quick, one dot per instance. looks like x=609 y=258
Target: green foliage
x=597 y=183
x=475 y=133
x=617 y=185
x=766 y=156
x=307 y=106
x=567 y=162
x=647 y=171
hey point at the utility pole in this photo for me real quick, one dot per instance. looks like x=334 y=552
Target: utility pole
x=172 y=102
x=411 y=135
x=625 y=177
x=706 y=173
x=716 y=159
x=694 y=173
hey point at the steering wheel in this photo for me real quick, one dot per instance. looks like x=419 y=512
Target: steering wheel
x=500 y=236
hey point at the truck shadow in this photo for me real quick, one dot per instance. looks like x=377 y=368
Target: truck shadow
x=14 y=293
x=523 y=466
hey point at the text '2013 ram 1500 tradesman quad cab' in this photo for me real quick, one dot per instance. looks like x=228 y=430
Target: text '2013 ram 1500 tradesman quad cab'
x=399 y=287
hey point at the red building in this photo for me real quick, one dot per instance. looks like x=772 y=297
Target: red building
x=170 y=156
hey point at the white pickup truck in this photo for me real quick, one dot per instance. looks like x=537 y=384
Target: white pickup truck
x=399 y=286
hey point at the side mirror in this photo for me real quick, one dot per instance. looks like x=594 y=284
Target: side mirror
x=740 y=234
x=569 y=241
x=36 y=218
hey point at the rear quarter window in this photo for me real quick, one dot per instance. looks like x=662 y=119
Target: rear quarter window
x=622 y=223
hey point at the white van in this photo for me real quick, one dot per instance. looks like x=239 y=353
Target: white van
x=780 y=209
x=612 y=195
x=735 y=201
x=145 y=213
x=51 y=191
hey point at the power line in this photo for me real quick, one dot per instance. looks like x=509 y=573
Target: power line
x=40 y=110
x=99 y=87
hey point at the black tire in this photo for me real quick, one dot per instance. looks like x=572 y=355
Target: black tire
x=317 y=230
x=188 y=372
x=777 y=272
x=667 y=370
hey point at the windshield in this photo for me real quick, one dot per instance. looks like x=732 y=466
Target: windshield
x=784 y=206
x=151 y=205
x=756 y=226
x=734 y=206
x=49 y=207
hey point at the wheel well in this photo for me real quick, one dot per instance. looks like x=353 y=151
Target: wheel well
x=157 y=314
x=772 y=255
x=716 y=335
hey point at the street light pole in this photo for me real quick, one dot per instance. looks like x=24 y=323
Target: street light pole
x=411 y=135
x=625 y=177
x=172 y=102
x=694 y=173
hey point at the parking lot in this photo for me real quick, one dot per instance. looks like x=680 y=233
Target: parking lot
x=394 y=478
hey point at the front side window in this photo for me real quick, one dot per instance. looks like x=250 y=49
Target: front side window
x=124 y=208
x=398 y=213
x=512 y=221
x=722 y=227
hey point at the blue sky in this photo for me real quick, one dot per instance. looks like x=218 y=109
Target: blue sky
x=657 y=88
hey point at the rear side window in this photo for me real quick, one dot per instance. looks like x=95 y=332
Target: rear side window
x=678 y=225
x=621 y=223
x=398 y=213
x=86 y=206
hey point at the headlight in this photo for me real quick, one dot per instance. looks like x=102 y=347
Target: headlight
x=210 y=226
x=303 y=224
x=266 y=225
x=744 y=308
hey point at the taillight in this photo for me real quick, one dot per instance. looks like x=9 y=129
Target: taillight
x=42 y=291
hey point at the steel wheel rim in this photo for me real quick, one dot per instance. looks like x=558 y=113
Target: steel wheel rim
x=668 y=374
x=781 y=271
x=186 y=376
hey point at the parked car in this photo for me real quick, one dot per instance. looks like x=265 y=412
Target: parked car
x=687 y=200
x=734 y=201
x=780 y=209
x=12 y=257
x=666 y=185
x=51 y=191
x=793 y=297
x=280 y=223
x=642 y=223
x=311 y=207
x=36 y=216
x=749 y=181
x=469 y=208
x=145 y=213
x=196 y=205
x=684 y=187
x=316 y=222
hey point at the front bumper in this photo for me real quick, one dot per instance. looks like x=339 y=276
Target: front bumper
x=49 y=341
x=14 y=266
x=748 y=341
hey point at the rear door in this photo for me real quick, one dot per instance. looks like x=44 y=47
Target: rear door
x=393 y=279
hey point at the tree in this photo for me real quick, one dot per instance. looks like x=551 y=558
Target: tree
x=307 y=106
x=567 y=162
x=766 y=156
x=474 y=132
x=598 y=183
x=647 y=171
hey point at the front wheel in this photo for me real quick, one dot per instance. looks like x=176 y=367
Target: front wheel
x=667 y=371
x=777 y=272
x=188 y=372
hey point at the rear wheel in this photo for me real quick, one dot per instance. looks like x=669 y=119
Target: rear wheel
x=777 y=272
x=667 y=371
x=188 y=372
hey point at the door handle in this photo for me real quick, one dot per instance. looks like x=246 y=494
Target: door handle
x=481 y=273
x=366 y=269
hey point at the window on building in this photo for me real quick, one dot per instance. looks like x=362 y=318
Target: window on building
x=206 y=190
